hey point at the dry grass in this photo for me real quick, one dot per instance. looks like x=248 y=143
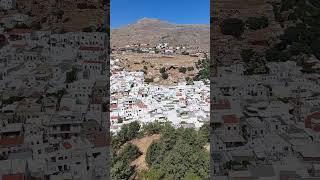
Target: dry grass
x=143 y=145
x=158 y=59
x=153 y=62
x=207 y=147
x=78 y=19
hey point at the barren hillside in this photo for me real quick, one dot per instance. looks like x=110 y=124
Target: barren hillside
x=227 y=49
x=65 y=15
x=153 y=31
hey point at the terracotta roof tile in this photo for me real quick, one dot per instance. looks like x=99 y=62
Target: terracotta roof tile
x=67 y=145
x=230 y=119
x=11 y=141
x=13 y=177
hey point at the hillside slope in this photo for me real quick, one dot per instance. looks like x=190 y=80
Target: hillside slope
x=153 y=31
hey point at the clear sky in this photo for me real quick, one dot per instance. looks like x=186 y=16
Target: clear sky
x=124 y=12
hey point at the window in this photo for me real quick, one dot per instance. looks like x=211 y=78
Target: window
x=53 y=159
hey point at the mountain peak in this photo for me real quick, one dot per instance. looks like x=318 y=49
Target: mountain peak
x=150 y=20
x=152 y=31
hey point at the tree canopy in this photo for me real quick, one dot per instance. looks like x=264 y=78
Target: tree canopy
x=232 y=26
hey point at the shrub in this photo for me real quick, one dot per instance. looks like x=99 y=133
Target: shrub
x=152 y=128
x=185 y=53
x=162 y=70
x=255 y=23
x=152 y=153
x=315 y=47
x=36 y=26
x=274 y=55
x=82 y=6
x=120 y=120
x=182 y=69
x=247 y=54
x=164 y=75
x=190 y=68
x=21 y=26
x=66 y=20
x=72 y=75
x=127 y=133
x=232 y=26
x=130 y=152
x=12 y=99
x=148 y=80
x=87 y=29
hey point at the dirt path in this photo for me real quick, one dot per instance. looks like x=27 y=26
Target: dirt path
x=143 y=144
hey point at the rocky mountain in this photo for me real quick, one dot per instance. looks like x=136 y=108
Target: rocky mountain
x=226 y=48
x=153 y=31
x=64 y=15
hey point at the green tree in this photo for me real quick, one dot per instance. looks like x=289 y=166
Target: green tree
x=274 y=55
x=164 y=75
x=153 y=153
x=129 y=152
x=179 y=154
x=162 y=70
x=204 y=71
x=120 y=120
x=191 y=176
x=152 y=174
x=245 y=163
x=232 y=26
x=134 y=129
x=190 y=68
x=247 y=54
x=127 y=133
x=299 y=48
x=72 y=75
x=152 y=128
x=182 y=70
x=148 y=80
x=122 y=170
x=315 y=47
x=204 y=133
x=255 y=23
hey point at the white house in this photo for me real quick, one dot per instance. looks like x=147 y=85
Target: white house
x=7 y=4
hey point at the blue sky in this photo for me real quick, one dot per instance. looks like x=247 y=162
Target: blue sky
x=125 y=12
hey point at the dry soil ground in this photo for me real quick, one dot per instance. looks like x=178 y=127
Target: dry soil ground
x=143 y=144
